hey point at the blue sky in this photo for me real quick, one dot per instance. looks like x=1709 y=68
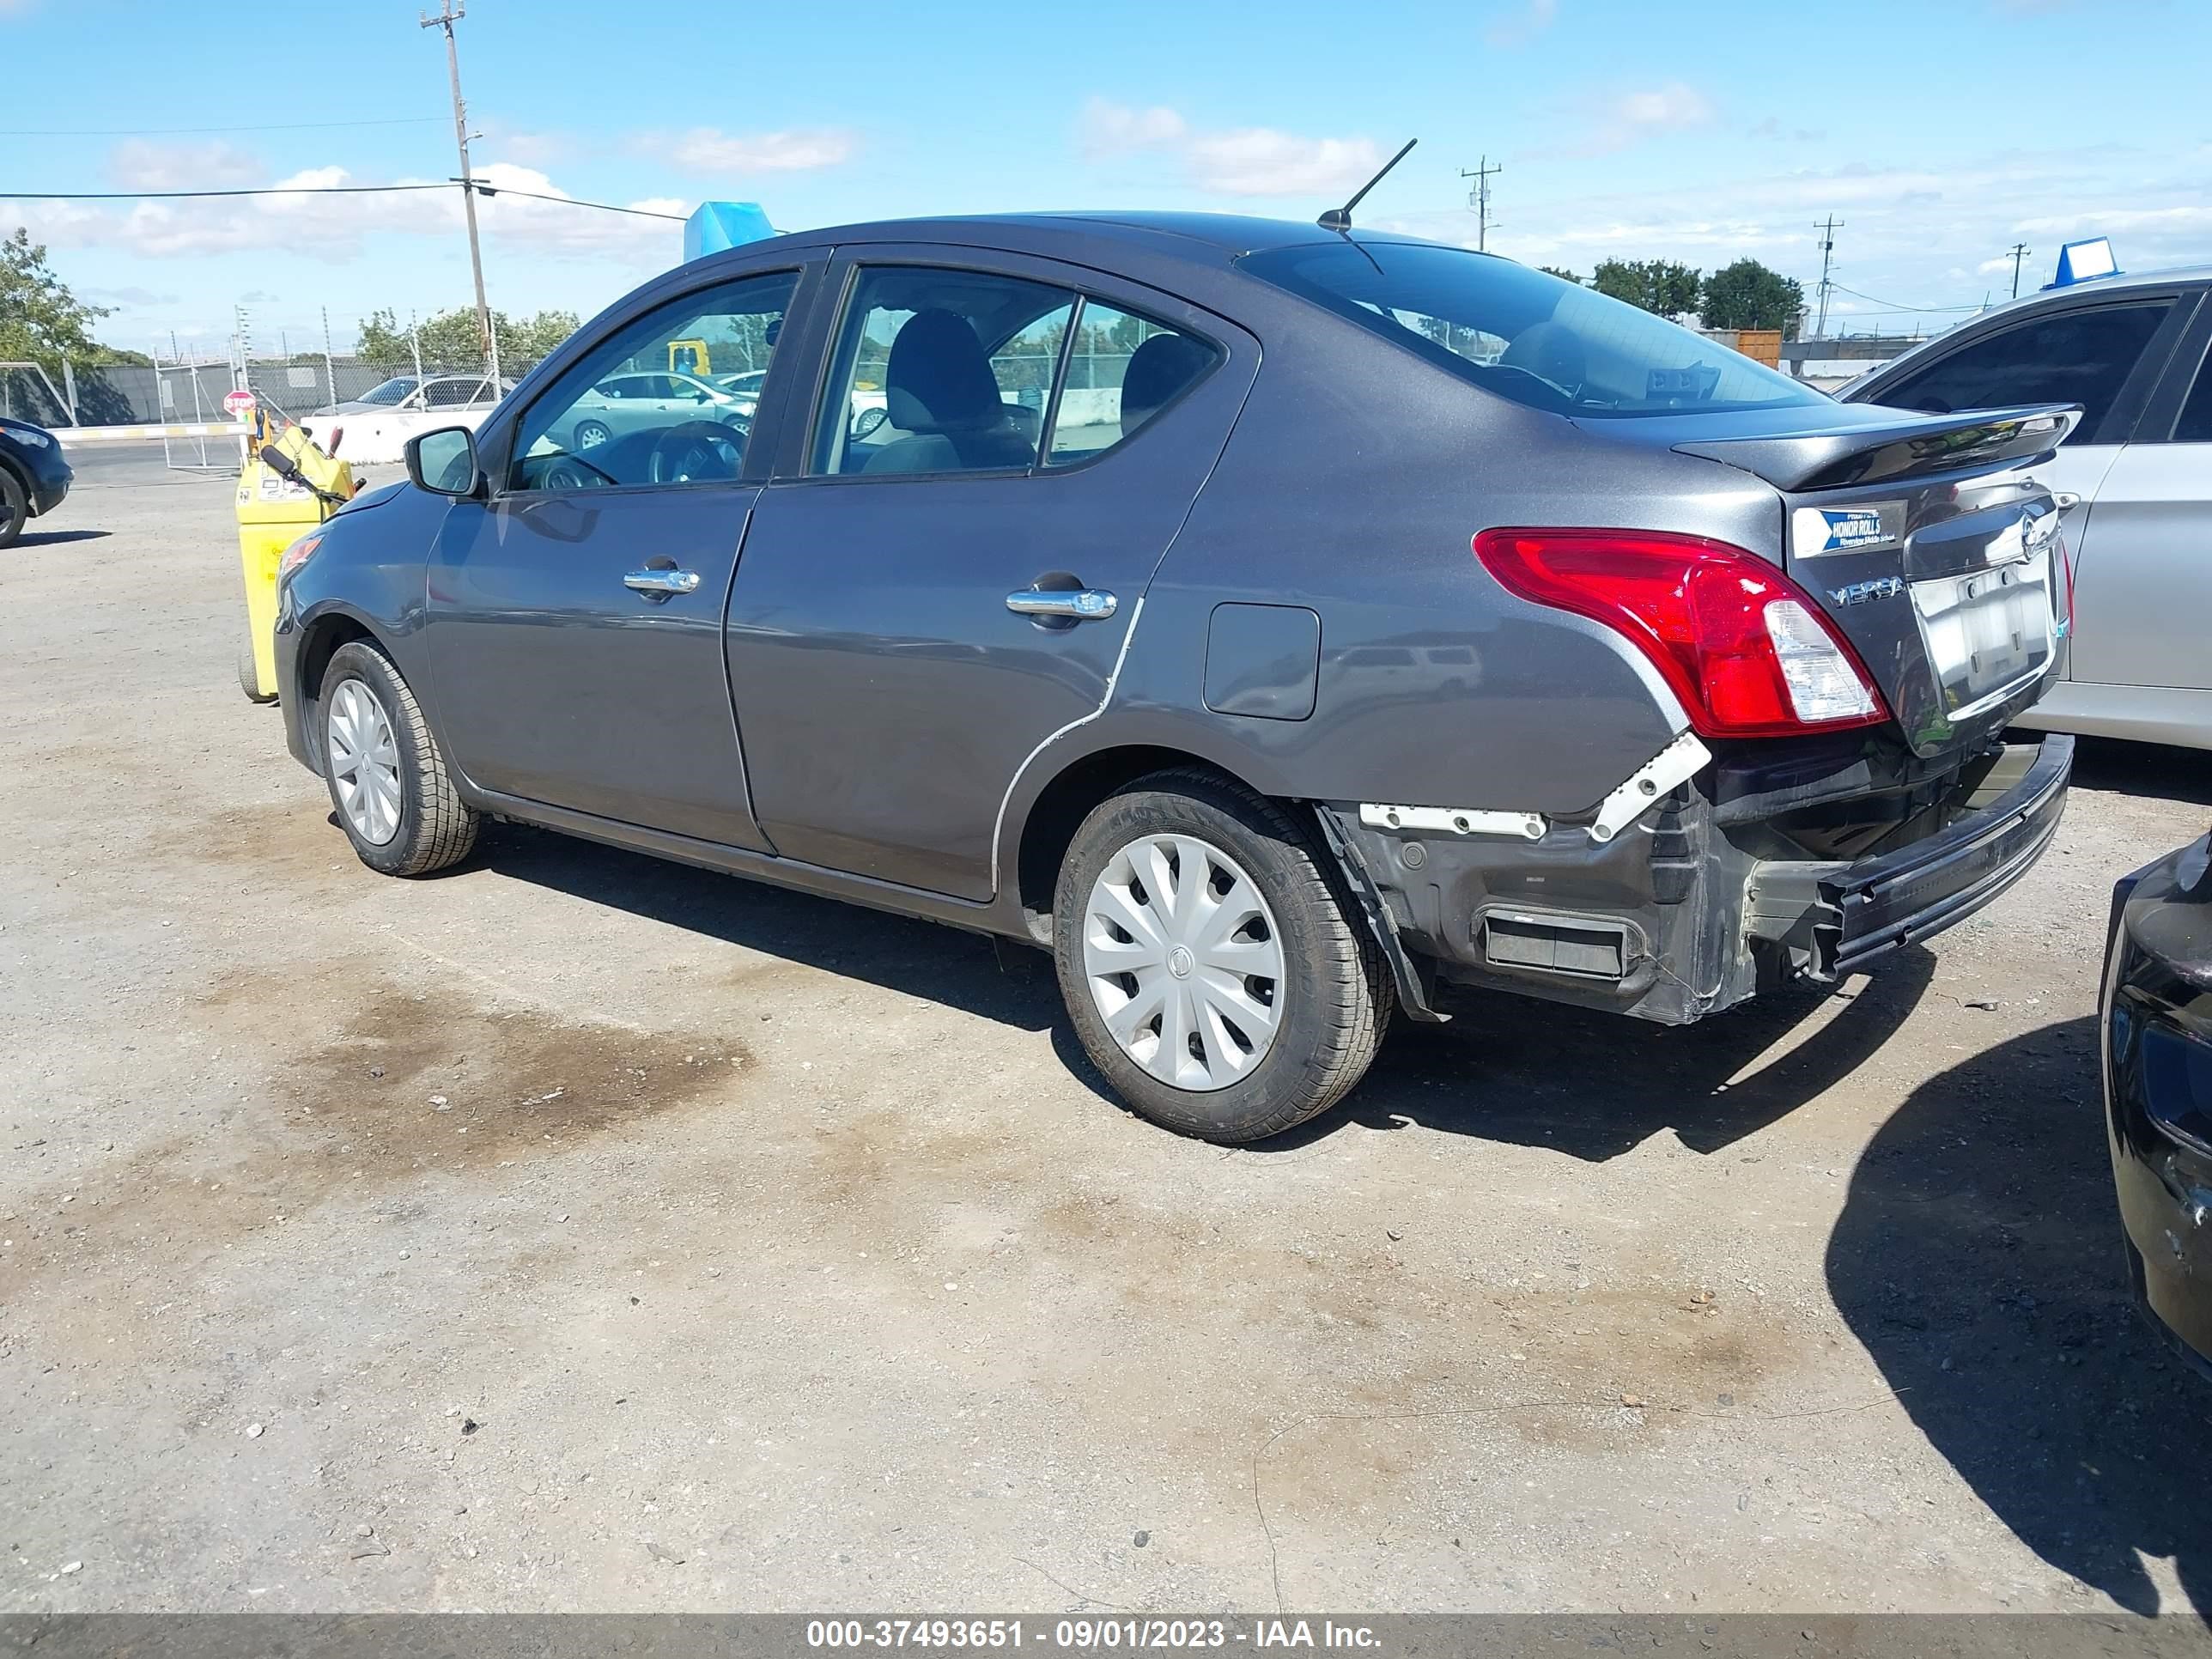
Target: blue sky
x=1940 y=134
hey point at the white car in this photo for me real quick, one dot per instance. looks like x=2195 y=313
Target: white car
x=373 y=430
x=2134 y=479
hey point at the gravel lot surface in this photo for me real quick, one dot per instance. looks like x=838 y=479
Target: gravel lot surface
x=577 y=1232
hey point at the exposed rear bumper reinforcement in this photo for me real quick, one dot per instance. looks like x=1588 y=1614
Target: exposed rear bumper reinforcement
x=1872 y=906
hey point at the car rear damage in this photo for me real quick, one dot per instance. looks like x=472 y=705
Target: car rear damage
x=1840 y=787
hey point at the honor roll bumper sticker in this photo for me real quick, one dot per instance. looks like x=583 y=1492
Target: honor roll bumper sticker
x=1817 y=530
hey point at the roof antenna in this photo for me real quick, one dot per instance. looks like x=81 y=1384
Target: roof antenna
x=1341 y=218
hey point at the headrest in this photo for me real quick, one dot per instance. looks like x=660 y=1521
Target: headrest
x=939 y=379
x=1159 y=369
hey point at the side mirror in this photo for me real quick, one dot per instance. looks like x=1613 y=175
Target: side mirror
x=278 y=462
x=445 y=463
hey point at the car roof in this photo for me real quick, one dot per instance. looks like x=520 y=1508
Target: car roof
x=1210 y=238
x=2120 y=282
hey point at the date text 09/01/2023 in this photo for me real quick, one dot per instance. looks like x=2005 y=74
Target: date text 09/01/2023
x=1085 y=1634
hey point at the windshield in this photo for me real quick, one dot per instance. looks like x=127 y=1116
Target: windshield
x=391 y=391
x=1539 y=340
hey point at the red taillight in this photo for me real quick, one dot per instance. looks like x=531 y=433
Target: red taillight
x=1746 y=650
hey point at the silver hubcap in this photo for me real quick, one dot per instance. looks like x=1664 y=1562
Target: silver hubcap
x=1183 y=961
x=364 y=763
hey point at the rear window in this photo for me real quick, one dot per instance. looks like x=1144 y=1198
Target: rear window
x=1523 y=335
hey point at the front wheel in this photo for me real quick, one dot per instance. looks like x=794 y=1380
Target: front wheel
x=395 y=799
x=1211 y=966
x=14 y=508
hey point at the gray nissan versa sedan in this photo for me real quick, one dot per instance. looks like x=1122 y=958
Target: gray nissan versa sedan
x=1277 y=623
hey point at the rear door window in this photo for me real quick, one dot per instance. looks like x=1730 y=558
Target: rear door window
x=1122 y=370
x=941 y=370
x=1523 y=335
x=2081 y=357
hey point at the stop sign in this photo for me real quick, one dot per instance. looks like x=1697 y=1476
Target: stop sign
x=237 y=403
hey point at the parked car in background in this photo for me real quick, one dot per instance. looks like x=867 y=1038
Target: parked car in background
x=405 y=393
x=373 y=429
x=2157 y=1012
x=34 y=477
x=649 y=400
x=2134 y=480
x=1490 y=631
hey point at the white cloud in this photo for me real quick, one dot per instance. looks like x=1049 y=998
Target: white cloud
x=709 y=149
x=1262 y=162
x=139 y=164
x=1242 y=161
x=1107 y=128
x=1524 y=25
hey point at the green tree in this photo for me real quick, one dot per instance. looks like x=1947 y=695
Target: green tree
x=1747 y=294
x=1565 y=276
x=449 y=339
x=1660 y=286
x=41 y=321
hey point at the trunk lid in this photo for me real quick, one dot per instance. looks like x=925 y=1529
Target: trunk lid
x=1930 y=545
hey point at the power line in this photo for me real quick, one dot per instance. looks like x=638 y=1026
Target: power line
x=1898 y=310
x=485 y=190
x=2019 y=251
x=195 y=195
x=150 y=132
x=478 y=185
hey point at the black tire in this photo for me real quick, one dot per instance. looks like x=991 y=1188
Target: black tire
x=14 y=508
x=435 y=827
x=249 y=672
x=1336 y=995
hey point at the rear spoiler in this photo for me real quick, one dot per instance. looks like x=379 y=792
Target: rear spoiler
x=1911 y=445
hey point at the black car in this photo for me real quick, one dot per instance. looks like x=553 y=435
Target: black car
x=34 y=477
x=2158 y=1089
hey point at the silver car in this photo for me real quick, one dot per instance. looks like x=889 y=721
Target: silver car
x=655 y=400
x=2135 y=481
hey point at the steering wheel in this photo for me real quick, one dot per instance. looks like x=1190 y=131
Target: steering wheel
x=698 y=450
x=572 y=473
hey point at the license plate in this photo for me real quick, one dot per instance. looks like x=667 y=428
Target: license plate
x=1987 y=631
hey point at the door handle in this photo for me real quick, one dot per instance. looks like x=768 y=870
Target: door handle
x=1074 y=604
x=662 y=581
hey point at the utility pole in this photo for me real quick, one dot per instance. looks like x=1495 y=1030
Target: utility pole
x=2019 y=251
x=1478 y=197
x=1827 y=254
x=452 y=13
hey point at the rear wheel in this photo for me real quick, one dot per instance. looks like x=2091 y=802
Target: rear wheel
x=249 y=672
x=388 y=780
x=1212 y=969
x=14 y=508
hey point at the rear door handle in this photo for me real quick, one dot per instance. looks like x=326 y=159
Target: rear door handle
x=662 y=581
x=1075 y=604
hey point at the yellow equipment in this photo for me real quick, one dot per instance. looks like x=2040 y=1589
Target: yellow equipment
x=276 y=506
x=690 y=357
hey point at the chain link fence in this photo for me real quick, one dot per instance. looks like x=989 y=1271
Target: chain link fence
x=120 y=395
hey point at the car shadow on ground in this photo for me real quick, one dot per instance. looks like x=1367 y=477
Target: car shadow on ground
x=1978 y=1257
x=54 y=537
x=1507 y=1068
x=2151 y=770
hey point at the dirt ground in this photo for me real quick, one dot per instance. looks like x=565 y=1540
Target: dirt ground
x=577 y=1232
